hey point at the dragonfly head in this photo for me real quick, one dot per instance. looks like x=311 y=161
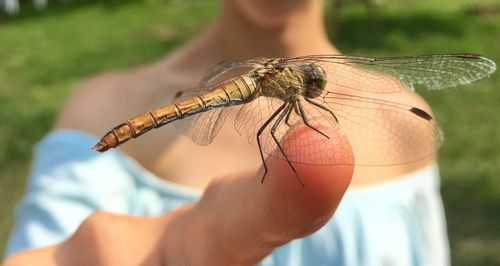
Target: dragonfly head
x=314 y=80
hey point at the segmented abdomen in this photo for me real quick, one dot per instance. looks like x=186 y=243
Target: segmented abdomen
x=236 y=92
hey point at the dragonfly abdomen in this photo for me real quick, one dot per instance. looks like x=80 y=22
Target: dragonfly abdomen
x=236 y=92
x=136 y=126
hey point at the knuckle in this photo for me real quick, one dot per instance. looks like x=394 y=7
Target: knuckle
x=95 y=220
x=94 y=226
x=214 y=185
x=94 y=238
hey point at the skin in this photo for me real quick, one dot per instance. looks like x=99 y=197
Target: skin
x=238 y=221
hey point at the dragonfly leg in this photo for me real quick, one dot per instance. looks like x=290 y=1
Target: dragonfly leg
x=273 y=130
x=288 y=117
x=322 y=107
x=261 y=129
x=306 y=121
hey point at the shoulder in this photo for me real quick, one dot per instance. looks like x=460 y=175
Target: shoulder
x=100 y=102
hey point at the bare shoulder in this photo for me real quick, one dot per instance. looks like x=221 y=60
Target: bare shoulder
x=102 y=101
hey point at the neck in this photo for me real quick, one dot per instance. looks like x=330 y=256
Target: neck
x=233 y=36
x=301 y=33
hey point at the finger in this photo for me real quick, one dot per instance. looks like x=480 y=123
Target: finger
x=307 y=208
x=240 y=221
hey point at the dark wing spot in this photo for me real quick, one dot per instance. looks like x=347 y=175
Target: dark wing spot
x=178 y=94
x=423 y=114
x=471 y=56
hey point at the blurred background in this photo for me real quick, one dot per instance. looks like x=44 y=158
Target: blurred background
x=47 y=47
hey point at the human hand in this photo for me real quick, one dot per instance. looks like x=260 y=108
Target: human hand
x=238 y=221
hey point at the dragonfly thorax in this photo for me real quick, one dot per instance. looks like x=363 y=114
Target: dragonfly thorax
x=289 y=82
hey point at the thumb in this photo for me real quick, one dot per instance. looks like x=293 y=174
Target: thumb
x=240 y=221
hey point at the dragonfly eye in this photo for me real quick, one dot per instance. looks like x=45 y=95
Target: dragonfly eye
x=314 y=80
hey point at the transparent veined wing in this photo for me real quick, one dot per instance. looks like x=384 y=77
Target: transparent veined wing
x=204 y=127
x=228 y=70
x=393 y=74
x=201 y=128
x=380 y=132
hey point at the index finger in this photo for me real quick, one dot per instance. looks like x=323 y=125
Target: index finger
x=241 y=220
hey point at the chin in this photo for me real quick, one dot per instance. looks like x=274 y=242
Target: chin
x=270 y=13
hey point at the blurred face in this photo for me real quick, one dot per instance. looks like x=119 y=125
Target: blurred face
x=268 y=13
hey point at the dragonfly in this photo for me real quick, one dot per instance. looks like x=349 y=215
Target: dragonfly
x=347 y=94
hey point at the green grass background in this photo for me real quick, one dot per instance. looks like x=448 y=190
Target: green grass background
x=44 y=54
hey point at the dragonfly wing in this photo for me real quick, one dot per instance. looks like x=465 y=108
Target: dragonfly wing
x=203 y=127
x=393 y=74
x=253 y=115
x=383 y=132
x=226 y=69
x=380 y=132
